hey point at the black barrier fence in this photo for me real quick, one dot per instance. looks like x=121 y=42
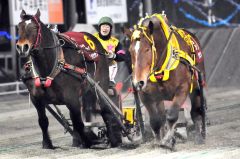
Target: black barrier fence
x=192 y=13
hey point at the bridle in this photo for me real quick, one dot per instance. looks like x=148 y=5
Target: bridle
x=154 y=65
x=37 y=48
x=37 y=45
x=39 y=34
x=59 y=60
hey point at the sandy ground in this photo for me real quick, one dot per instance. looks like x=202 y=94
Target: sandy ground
x=20 y=135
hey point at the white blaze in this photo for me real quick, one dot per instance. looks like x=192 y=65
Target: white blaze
x=137 y=47
x=28 y=21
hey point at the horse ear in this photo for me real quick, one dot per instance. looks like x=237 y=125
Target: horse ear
x=127 y=32
x=38 y=14
x=150 y=27
x=23 y=13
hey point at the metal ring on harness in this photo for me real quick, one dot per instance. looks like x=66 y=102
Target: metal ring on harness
x=61 y=42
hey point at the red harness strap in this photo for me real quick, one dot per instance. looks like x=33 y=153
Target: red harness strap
x=39 y=35
x=159 y=76
x=74 y=68
x=48 y=82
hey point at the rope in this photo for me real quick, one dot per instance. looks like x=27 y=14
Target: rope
x=130 y=90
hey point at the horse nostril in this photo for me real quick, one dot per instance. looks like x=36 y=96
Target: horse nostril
x=25 y=47
x=141 y=83
x=18 y=48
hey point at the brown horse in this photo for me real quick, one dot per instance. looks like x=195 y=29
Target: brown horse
x=56 y=75
x=166 y=68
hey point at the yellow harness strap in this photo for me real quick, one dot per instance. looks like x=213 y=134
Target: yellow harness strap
x=174 y=53
x=170 y=63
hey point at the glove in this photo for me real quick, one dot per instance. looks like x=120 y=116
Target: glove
x=111 y=55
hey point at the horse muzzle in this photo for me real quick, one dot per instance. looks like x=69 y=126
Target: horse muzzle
x=139 y=85
x=23 y=50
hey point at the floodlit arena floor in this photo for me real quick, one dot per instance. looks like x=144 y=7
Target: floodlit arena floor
x=20 y=135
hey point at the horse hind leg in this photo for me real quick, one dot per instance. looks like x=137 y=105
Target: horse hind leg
x=189 y=122
x=187 y=112
x=113 y=128
x=43 y=123
x=198 y=117
x=79 y=137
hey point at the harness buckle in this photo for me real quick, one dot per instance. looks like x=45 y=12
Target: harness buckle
x=60 y=65
x=175 y=54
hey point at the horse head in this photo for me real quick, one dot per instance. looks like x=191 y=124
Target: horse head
x=29 y=33
x=38 y=42
x=143 y=50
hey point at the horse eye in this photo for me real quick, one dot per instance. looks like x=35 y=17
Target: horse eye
x=148 y=49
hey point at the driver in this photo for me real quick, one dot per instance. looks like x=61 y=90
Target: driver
x=112 y=46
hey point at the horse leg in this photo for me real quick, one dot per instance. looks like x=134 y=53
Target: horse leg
x=156 y=113
x=187 y=112
x=157 y=119
x=197 y=116
x=79 y=137
x=113 y=128
x=43 y=123
x=172 y=117
x=89 y=106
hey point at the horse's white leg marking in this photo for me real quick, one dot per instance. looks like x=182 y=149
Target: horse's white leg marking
x=187 y=111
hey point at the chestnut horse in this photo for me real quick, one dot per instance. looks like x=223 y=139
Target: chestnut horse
x=166 y=68
x=54 y=65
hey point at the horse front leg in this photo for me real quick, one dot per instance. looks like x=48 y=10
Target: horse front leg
x=43 y=123
x=156 y=113
x=172 y=118
x=157 y=119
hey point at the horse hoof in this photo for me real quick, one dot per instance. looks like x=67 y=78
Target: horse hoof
x=169 y=144
x=101 y=146
x=81 y=145
x=199 y=140
x=48 y=146
x=76 y=143
x=113 y=145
